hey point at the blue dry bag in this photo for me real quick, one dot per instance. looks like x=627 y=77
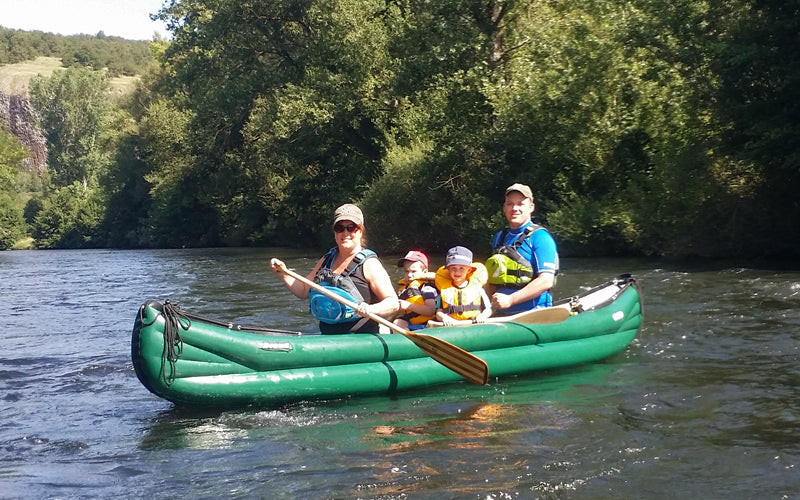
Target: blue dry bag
x=328 y=310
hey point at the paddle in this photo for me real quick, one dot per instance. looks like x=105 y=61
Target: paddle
x=460 y=361
x=534 y=316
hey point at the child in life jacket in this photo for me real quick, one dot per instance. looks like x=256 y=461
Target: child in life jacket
x=460 y=281
x=417 y=295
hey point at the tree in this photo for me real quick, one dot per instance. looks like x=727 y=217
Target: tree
x=759 y=117
x=75 y=114
x=12 y=222
x=261 y=81
x=69 y=218
x=73 y=106
x=630 y=119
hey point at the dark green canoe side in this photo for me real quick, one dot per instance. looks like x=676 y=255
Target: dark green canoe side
x=224 y=367
x=282 y=386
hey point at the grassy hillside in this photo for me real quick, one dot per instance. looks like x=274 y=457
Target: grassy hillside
x=14 y=78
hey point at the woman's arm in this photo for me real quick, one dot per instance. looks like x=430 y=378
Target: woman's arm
x=381 y=285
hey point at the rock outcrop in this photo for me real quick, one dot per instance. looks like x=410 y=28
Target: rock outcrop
x=18 y=117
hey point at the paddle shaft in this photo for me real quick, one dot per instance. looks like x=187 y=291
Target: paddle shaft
x=460 y=361
x=534 y=316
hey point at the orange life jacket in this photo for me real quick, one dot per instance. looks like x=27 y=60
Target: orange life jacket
x=412 y=292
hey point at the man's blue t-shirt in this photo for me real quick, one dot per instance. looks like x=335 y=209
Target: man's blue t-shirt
x=540 y=250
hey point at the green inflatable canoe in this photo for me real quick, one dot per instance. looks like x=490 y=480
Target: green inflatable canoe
x=195 y=361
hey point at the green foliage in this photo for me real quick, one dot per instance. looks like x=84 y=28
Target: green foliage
x=116 y=55
x=17 y=45
x=69 y=218
x=74 y=107
x=32 y=209
x=424 y=111
x=126 y=191
x=12 y=153
x=398 y=197
x=759 y=118
x=12 y=223
x=84 y=202
x=297 y=100
x=177 y=216
x=638 y=124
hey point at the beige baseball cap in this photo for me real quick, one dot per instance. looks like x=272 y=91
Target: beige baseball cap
x=521 y=188
x=348 y=211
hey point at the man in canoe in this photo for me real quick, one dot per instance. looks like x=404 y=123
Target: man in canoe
x=524 y=260
x=350 y=270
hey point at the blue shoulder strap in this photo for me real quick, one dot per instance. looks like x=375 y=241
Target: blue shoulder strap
x=518 y=241
x=328 y=262
x=357 y=261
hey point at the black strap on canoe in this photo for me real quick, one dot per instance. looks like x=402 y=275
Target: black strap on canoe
x=174 y=320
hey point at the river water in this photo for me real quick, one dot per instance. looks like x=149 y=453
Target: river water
x=704 y=404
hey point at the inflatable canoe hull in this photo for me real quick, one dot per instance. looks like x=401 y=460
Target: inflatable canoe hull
x=195 y=361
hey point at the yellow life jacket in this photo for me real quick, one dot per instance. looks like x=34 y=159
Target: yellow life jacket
x=412 y=292
x=465 y=302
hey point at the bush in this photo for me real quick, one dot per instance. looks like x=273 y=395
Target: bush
x=12 y=222
x=70 y=218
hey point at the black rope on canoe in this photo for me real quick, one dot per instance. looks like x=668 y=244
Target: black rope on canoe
x=174 y=320
x=256 y=329
x=237 y=326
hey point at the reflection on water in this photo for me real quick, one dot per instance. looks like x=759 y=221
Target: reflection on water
x=466 y=430
x=705 y=402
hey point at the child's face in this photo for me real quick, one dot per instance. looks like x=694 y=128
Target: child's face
x=458 y=273
x=413 y=268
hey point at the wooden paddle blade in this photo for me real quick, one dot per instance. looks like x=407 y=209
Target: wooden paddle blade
x=453 y=357
x=535 y=316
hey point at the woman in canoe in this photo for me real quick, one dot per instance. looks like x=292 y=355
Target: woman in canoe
x=350 y=270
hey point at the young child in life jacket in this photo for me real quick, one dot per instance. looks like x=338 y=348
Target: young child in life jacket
x=462 y=299
x=417 y=295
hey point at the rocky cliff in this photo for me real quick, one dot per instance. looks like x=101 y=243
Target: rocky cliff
x=18 y=117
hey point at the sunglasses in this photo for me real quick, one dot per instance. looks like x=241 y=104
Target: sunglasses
x=350 y=228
